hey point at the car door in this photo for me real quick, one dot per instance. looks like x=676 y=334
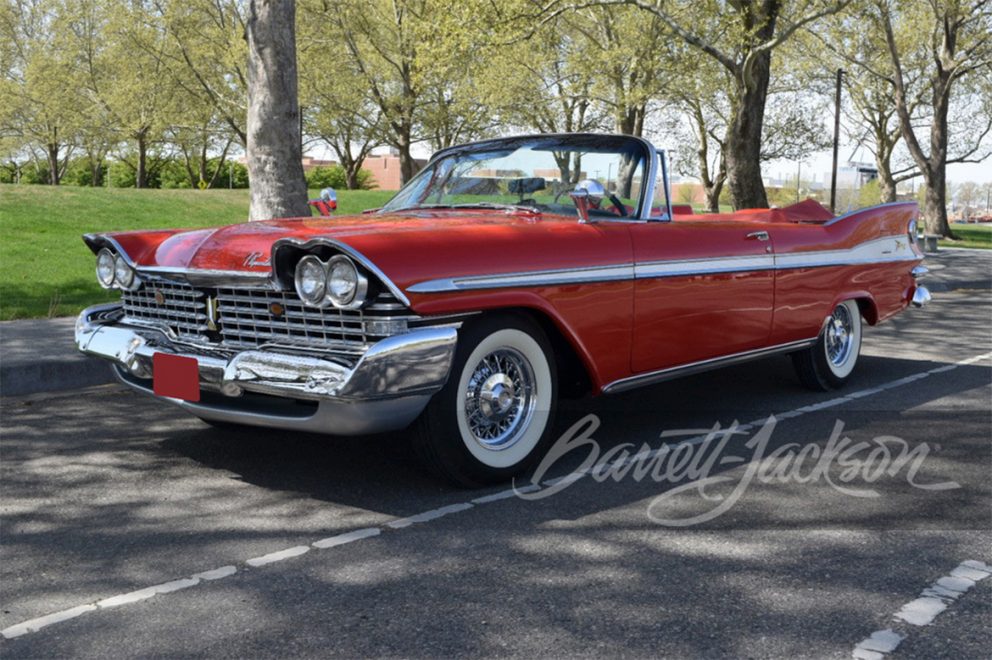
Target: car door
x=704 y=288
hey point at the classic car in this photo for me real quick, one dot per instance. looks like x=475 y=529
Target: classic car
x=505 y=272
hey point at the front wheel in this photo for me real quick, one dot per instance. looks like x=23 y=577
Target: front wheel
x=495 y=414
x=829 y=362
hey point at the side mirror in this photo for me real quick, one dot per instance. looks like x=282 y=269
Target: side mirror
x=587 y=194
x=329 y=195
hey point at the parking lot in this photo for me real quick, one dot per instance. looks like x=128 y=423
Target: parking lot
x=146 y=532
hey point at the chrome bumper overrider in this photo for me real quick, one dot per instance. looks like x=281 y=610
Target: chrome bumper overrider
x=385 y=390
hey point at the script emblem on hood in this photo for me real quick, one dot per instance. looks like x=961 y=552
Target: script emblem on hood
x=256 y=259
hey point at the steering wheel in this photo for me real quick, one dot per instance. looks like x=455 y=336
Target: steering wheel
x=617 y=204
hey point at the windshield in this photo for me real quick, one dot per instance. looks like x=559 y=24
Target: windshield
x=535 y=174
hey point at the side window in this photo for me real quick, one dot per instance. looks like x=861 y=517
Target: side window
x=661 y=204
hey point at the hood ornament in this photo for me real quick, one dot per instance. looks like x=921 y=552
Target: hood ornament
x=256 y=259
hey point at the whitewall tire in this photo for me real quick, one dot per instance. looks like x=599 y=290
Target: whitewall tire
x=829 y=363
x=493 y=418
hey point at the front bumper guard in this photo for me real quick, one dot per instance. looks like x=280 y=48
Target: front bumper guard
x=385 y=390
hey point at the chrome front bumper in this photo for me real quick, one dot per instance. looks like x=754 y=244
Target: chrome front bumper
x=386 y=390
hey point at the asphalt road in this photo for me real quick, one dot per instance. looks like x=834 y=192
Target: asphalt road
x=107 y=493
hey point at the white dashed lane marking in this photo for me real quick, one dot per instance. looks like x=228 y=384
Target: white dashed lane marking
x=139 y=595
x=921 y=612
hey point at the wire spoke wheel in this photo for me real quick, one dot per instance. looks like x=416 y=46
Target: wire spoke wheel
x=500 y=398
x=839 y=336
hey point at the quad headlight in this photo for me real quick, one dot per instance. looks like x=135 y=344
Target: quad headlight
x=311 y=281
x=114 y=272
x=123 y=273
x=105 y=267
x=337 y=282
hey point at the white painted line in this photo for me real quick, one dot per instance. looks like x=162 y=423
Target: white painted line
x=273 y=557
x=433 y=514
x=506 y=494
x=923 y=610
x=126 y=599
x=341 y=539
x=881 y=641
x=34 y=625
x=216 y=574
x=176 y=585
x=571 y=477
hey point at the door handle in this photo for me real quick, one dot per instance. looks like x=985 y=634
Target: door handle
x=758 y=235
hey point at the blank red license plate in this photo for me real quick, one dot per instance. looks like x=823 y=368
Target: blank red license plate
x=176 y=376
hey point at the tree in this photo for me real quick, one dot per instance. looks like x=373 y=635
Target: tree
x=958 y=44
x=208 y=57
x=275 y=166
x=381 y=39
x=700 y=113
x=967 y=198
x=741 y=38
x=338 y=108
x=39 y=98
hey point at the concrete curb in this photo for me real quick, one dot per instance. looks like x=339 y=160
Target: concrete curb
x=21 y=379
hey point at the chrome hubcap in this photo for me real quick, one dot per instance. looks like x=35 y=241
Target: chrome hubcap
x=500 y=398
x=840 y=329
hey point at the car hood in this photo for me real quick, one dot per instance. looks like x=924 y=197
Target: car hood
x=408 y=247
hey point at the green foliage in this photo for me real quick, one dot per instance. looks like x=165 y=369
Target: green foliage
x=80 y=172
x=335 y=177
x=870 y=194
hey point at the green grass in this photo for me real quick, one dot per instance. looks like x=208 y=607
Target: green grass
x=46 y=270
x=970 y=236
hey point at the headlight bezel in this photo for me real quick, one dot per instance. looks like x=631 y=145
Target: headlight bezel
x=356 y=296
x=128 y=282
x=311 y=300
x=109 y=282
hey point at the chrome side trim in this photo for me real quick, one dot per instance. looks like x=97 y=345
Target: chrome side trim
x=879 y=250
x=640 y=380
x=535 y=278
x=346 y=249
x=703 y=266
x=882 y=250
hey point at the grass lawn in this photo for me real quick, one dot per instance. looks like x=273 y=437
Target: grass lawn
x=47 y=270
x=970 y=236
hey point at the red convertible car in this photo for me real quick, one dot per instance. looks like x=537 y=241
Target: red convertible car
x=503 y=272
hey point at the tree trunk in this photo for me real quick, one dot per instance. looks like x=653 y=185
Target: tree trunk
x=275 y=156
x=743 y=153
x=713 y=195
x=408 y=167
x=141 y=173
x=935 y=204
x=53 y=164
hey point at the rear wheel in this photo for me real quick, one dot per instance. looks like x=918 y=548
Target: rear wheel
x=829 y=363
x=494 y=416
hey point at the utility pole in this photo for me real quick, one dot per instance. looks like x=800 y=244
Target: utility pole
x=833 y=174
x=799 y=175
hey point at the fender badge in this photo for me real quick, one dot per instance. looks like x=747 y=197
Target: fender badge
x=256 y=259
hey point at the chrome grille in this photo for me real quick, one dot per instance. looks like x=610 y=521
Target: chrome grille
x=247 y=320
x=174 y=304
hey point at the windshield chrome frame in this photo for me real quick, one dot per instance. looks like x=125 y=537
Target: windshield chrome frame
x=647 y=190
